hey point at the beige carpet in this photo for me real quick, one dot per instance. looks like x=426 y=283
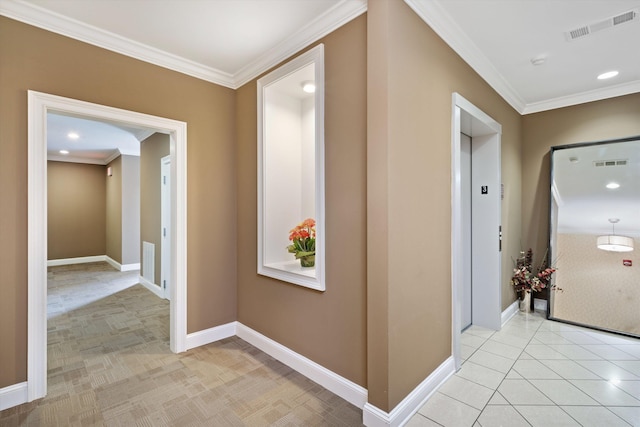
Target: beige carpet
x=109 y=364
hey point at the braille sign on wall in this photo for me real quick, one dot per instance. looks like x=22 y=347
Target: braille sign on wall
x=484 y=189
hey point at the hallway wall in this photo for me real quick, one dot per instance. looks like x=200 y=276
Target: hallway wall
x=327 y=327
x=76 y=207
x=39 y=60
x=412 y=74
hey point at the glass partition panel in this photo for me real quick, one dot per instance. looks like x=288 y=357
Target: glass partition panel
x=594 y=234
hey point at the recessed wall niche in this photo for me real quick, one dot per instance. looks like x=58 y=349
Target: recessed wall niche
x=291 y=171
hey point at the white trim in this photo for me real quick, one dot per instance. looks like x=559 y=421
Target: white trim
x=60 y=24
x=121 y=267
x=36 y=249
x=483 y=125
x=207 y=336
x=434 y=15
x=476 y=113
x=509 y=312
x=29 y=13
x=117 y=153
x=339 y=15
x=130 y=267
x=73 y=159
x=346 y=389
x=39 y=104
x=97 y=258
x=77 y=260
x=165 y=223
x=316 y=280
x=540 y=304
x=115 y=264
x=13 y=395
x=152 y=287
x=584 y=97
x=400 y=415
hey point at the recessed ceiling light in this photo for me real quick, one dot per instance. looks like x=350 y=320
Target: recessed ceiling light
x=64 y=152
x=73 y=135
x=309 y=87
x=613 y=185
x=607 y=75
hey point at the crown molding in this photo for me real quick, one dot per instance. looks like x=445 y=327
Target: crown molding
x=434 y=15
x=441 y=22
x=334 y=18
x=116 y=153
x=92 y=161
x=584 y=97
x=74 y=159
x=54 y=22
x=37 y=16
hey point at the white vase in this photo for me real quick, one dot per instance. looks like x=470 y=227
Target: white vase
x=525 y=303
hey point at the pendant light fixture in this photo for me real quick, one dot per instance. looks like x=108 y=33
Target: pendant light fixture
x=613 y=242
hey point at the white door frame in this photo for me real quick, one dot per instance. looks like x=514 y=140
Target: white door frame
x=39 y=104
x=165 y=226
x=472 y=121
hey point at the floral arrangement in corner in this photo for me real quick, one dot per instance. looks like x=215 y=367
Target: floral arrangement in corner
x=303 y=238
x=525 y=279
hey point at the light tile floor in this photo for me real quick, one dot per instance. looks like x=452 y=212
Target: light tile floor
x=536 y=372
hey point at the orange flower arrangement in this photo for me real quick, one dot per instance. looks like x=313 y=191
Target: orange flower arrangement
x=303 y=238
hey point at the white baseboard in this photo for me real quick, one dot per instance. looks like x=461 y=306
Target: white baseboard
x=346 y=389
x=155 y=289
x=121 y=267
x=13 y=395
x=210 y=335
x=97 y=258
x=509 y=312
x=77 y=260
x=400 y=415
x=130 y=267
x=540 y=304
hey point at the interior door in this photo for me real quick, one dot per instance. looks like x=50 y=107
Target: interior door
x=485 y=230
x=165 y=226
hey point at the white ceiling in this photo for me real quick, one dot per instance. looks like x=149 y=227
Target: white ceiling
x=500 y=38
x=97 y=142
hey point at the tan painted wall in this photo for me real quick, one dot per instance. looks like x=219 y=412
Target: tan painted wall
x=327 y=327
x=597 y=289
x=596 y=121
x=76 y=210
x=39 y=60
x=114 y=211
x=412 y=75
x=130 y=210
x=152 y=150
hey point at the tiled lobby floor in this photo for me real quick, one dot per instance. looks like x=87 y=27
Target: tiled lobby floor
x=536 y=372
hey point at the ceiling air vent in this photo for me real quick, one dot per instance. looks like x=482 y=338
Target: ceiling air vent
x=602 y=163
x=585 y=30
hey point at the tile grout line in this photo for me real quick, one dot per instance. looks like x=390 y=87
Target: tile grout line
x=505 y=376
x=568 y=381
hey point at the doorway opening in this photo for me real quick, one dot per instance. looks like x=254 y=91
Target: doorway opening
x=476 y=220
x=39 y=105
